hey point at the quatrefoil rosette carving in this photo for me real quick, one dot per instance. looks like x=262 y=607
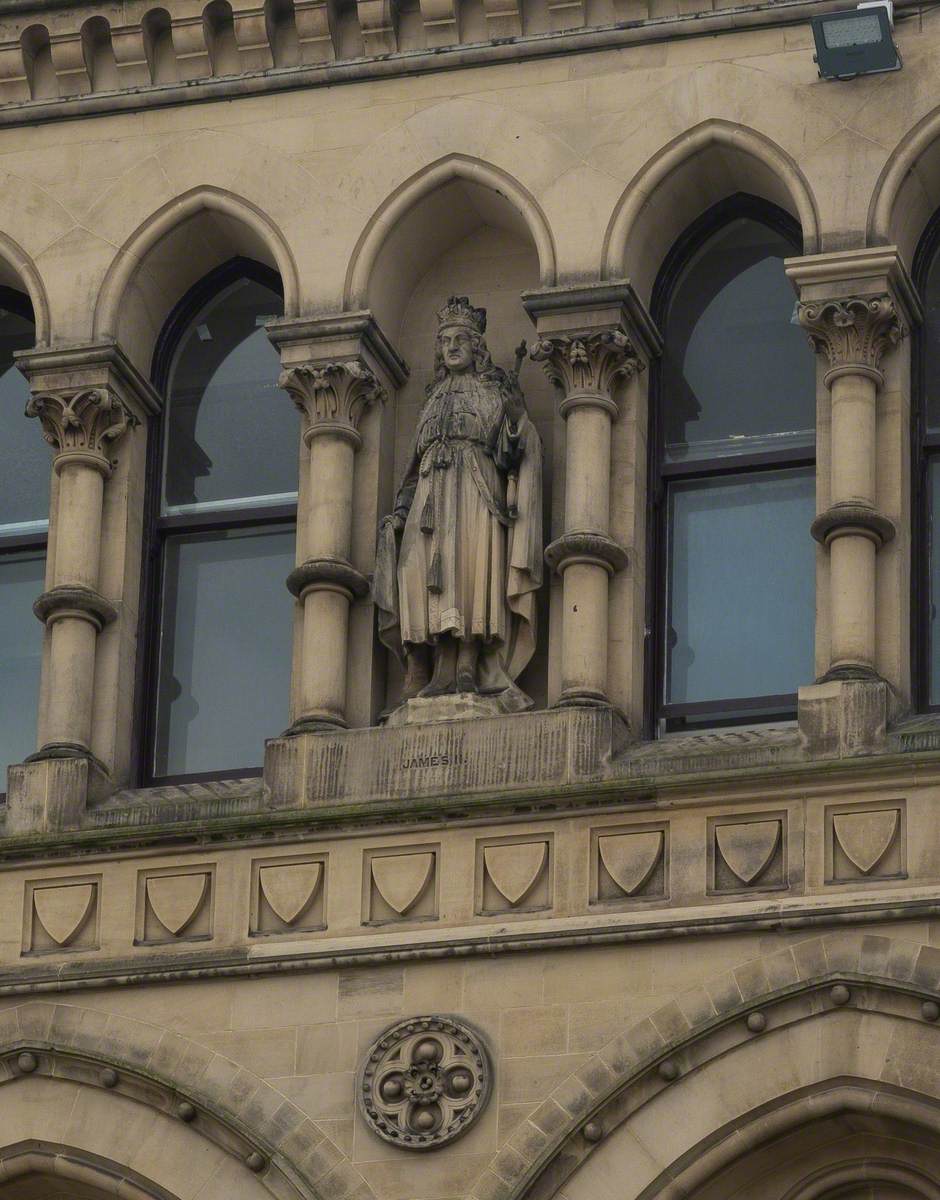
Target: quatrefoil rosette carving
x=424 y=1082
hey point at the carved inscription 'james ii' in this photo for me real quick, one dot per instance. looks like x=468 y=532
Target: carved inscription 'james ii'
x=418 y=762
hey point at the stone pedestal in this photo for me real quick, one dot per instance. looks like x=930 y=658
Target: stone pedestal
x=464 y=756
x=50 y=795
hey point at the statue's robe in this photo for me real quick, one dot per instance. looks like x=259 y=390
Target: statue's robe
x=470 y=559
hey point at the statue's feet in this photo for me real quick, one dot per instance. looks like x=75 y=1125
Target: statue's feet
x=440 y=688
x=417 y=672
x=467 y=666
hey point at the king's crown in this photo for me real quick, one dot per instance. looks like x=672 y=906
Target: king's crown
x=459 y=311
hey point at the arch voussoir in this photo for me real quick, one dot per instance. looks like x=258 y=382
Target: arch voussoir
x=812 y=977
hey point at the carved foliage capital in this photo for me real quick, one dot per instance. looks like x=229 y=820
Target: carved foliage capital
x=593 y=362
x=86 y=421
x=857 y=331
x=332 y=395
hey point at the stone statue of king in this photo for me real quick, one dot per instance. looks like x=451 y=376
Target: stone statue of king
x=459 y=560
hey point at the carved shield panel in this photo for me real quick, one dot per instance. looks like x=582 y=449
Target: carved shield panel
x=63 y=911
x=290 y=888
x=515 y=868
x=747 y=848
x=630 y=858
x=866 y=837
x=401 y=878
x=176 y=899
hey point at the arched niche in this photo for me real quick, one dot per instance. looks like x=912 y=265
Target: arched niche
x=690 y=175
x=170 y=252
x=907 y=193
x=467 y=230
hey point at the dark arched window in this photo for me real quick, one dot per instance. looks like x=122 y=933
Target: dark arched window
x=732 y=476
x=926 y=475
x=25 y=465
x=223 y=532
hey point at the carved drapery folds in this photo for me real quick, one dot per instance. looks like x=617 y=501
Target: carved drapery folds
x=853 y=333
x=332 y=396
x=588 y=365
x=81 y=422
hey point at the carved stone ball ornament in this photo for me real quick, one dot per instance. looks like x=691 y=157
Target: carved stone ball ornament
x=424 y=1082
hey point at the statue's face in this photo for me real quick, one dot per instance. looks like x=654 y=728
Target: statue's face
x=456 y=348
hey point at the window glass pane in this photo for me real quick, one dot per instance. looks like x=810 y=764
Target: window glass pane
x=231 y=433
x=933 y=484
x=25 y=459
x=741 y=597
x=225 y=649
x=21 y=581
x=738 y=375
x=931 y=336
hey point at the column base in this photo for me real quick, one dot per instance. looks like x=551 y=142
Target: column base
x=582 y=698
x=50 y=792
x=846 y=716
x=315 y=723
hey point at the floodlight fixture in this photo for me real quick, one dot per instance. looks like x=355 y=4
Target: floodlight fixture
x=856 y=41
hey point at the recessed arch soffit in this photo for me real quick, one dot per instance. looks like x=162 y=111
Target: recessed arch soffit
x=88 y=1175
x=686 y=176
x=777 y=993
x=907 y=193
x=261 y=1129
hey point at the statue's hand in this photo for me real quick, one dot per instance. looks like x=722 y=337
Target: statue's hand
x=515 y=404
x=394 y=521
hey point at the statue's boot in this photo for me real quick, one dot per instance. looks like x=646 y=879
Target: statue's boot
x=417 y=669
x=467 y=665
x=445 y=665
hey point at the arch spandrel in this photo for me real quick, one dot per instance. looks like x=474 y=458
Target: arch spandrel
x=907 y=193
x=759 y=1030
x=682 y=180
x=118 y=1088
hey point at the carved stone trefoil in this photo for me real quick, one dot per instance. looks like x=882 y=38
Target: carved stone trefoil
x=855 y=332
x=332 y=396
x=424 y=1082
x=81 y=423
x=592 y=364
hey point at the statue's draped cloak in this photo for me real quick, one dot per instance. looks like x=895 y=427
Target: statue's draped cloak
x=470 y=558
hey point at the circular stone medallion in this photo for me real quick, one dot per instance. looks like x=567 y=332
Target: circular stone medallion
x=424 y=1082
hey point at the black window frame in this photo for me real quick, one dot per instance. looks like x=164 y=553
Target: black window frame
x=21 y=543
x=925 y=448
x=157 y=526
x=658 y=715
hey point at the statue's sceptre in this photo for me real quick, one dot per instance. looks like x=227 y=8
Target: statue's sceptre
x=512 y=479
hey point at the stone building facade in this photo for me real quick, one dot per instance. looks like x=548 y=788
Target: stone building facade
x=672 y=929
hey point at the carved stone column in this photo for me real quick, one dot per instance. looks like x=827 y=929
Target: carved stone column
x=587 y=343
x=855 y=308
x=335 y=370
x=854 y=334
x=92 y=406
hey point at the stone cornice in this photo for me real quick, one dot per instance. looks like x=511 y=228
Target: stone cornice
x=138 y=96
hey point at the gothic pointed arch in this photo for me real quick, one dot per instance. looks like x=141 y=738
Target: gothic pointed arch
x=173 y=248
x=663 y=1103
x=19 y=272
x=430 y=211
x=907 y=193
x=696 y=170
